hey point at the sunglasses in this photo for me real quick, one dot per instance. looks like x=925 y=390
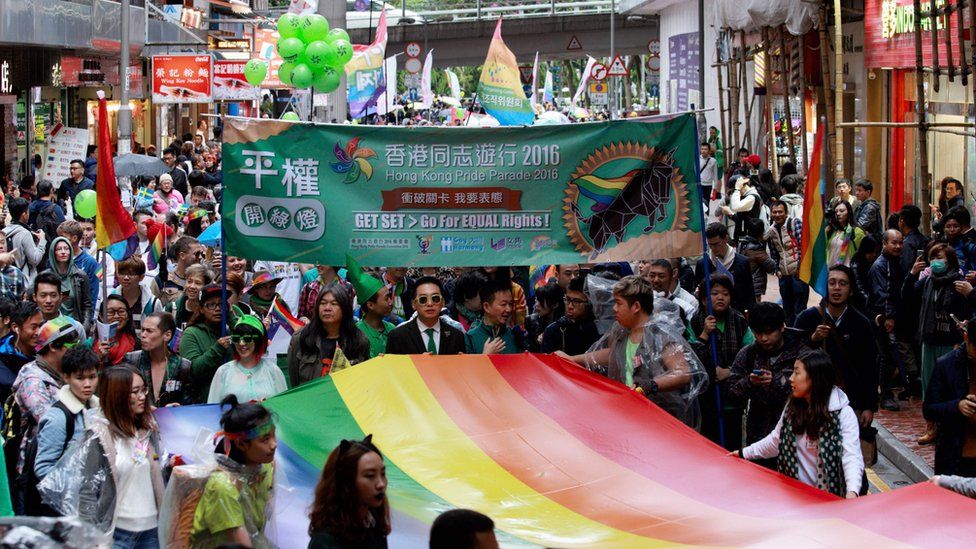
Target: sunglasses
x=435 y=299
x=247 y=338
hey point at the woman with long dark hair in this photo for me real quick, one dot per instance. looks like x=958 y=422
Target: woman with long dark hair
x=332 y=328
x=120 y=489
x=351 y=509
x=816 y=440
x=843 y=238
x=234 y=506
x=112 y=351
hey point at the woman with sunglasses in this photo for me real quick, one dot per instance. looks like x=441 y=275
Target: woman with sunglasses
x=313 y=348
x=350 y=507
x=202 y=343
x=251 y=376
x=120 y=489
x=112 y=351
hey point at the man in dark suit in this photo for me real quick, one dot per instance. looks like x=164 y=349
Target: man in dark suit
x=950 y=401
x=426 y=333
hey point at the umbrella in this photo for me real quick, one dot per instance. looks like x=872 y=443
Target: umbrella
x=448 y=100
x=135 y=165
x=552 y=118
x=482 y=121
x=580 y=112
x=211 y=235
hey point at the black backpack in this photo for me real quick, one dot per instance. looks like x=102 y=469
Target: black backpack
x=12 y=436
x=33 y=505
x=47 y=221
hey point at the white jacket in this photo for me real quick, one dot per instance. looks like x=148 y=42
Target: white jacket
x=808 y=458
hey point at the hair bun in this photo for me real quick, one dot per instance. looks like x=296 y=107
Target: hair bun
x=230 y=401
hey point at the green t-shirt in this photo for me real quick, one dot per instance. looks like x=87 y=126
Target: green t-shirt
x=631 y=353
x=223 y=507
x=377 y=340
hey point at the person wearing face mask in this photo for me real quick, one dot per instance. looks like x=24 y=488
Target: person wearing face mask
x=939 y=303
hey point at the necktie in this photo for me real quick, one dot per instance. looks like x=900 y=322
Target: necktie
x=431 y=346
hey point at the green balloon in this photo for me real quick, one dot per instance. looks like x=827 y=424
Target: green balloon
x=290 y=115
x=255 y=70
x=314 y=27
x=302 y=76
x=327 y=81
x=289 y=25
x=284 y=73
x=343 y=52
x=290 y=48
x=86 y=204
x=317 y=55
x=338 y=34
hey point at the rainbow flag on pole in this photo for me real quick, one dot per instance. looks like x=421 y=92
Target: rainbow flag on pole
x=500 y=88
x=365 y=79
x=559 y=456
x=813 y=239
x=114 y=228
x=283 y=317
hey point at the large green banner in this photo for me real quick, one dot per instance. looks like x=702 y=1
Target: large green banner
x=449 y=196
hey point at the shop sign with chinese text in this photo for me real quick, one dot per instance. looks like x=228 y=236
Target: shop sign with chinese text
x=182 y=78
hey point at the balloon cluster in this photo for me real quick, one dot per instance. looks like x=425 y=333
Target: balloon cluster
x=314 y=55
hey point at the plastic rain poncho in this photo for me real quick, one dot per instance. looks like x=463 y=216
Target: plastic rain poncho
x=216 y=494
x=82 y=483
x=46 y=533
x=663 y=352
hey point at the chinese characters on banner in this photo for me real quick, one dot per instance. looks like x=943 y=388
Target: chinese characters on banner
x=182 y=78
x=229 y=81
x=444 y=196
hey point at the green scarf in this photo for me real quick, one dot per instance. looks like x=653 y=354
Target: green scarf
x=830 y=473
x=261 y=306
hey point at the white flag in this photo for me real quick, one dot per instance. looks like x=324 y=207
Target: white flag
x=427 y=96
x=584 y=78
x=547 y=93
x=535 y=81
x=387 y=100
x=303 y=7
x=455 y=84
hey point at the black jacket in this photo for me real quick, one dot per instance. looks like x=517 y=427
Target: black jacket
x=868 y=217
x=406 y=340
x=949 y=385
x=572 y=338
x=743 y=293
x=853 y=352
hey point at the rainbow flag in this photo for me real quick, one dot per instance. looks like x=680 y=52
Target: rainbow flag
x=813 y=238
x=539 y=275
x=283 y=317
x=500 y=87
x=195 y=214
x=559 y=457
x=157 y=249
x=602 y=191
x=114 y=228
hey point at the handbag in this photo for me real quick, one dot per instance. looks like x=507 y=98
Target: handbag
x=869 y=445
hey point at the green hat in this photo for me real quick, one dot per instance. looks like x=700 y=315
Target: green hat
x=250 y=321
x=365 y=285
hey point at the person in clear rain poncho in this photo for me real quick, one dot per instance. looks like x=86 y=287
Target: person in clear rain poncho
x=229 y=501
x=644 y=349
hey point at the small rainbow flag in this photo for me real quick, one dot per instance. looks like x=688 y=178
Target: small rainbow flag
x=174 y=343
x=283 y=317
x=602 y=191
x=813 y=238
x=100 y=270
x=195 y=214
x=540 y=275
x=157 y=249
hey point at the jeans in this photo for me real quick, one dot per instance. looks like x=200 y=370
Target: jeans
x=124 y=539
x=795 y=294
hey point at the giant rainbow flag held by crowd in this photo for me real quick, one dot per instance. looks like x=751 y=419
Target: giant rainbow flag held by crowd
x=560 y=457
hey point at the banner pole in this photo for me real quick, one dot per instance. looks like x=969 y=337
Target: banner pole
x=712 y=338
x=223 y=282
x=474 y=101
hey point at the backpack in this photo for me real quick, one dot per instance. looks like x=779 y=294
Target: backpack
x=47 y=221
x=33 y=504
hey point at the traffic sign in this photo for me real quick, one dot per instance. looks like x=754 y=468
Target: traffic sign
x=413 y=49
x=654 y=63
x=617 y=67
x=598 y=72
x=413 y=65
x=525 y=71
x=574 y=44
x=654 y=46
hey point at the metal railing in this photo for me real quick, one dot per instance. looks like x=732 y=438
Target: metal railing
x=440 y=11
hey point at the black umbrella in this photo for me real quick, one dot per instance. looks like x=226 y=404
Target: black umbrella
x=135 y=165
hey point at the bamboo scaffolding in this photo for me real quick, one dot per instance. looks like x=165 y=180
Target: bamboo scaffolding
x=744 y=91
x=786 y=77
x=923 y=148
